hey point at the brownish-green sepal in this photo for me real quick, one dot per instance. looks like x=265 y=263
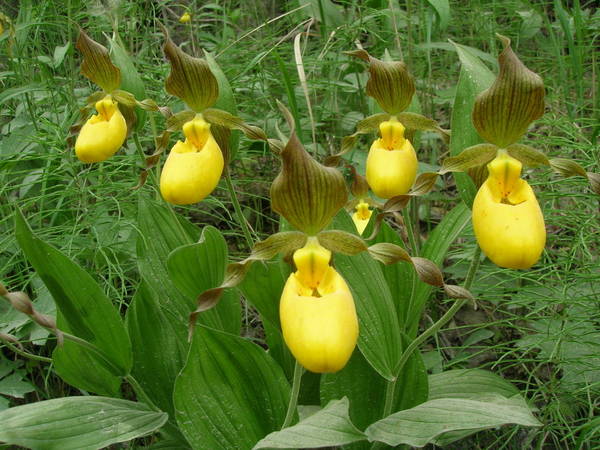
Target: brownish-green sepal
x=191 y=78
x=390 y=83
x=473 y=156
x=342 y=242
x=96 y=65
x=569 y=168
x=529 y=156
x=305 y=192
x=503 y=112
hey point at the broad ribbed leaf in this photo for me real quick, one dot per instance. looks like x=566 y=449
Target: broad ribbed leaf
x=469 y=383
x=160 y=346
x=262 y=288
x=194 y=268
x=425 y=423
x=503 y=112
x=379 y=336
x=230 y=393
x=328 y=427
x=474 y=78
x=365 y=388
x=85 y=308
x=81 y=368
x=77 y=423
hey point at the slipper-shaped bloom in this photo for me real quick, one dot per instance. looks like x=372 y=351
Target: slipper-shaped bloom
x=193 y=167
x=317 y=312
x=361 y=216
x=103 y=133
x=392 y=162
x=507 y=218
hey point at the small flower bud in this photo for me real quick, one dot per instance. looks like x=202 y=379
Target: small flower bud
x=507 y=218
x=185 y=17
x=361 y=216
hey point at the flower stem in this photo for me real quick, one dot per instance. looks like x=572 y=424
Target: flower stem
x=18 y=351
x=293 y=404
x=238 y=210
x=456 y=306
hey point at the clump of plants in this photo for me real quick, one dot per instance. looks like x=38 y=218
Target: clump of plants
x=339 y=291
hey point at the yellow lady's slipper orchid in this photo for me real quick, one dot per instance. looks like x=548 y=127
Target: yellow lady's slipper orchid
x=507 y=218
x=392 y=161
x=193 y=168
x=103 y=133
x=361 y=216
x=185 y=17
x=317 y=312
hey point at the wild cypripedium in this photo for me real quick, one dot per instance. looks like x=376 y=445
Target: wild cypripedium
x=507 y=219
x=185 y=17
x=317 y=312
x=103 y=133
x=392 y=161
x=361 y=216
x=193 y=167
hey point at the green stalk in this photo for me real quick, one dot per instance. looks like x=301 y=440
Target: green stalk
x=238 y=210
x=25 y=354
x=293 y=404
x=456 y=306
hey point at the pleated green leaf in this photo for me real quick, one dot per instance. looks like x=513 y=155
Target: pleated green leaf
x=77 y=423
x=426 y=423
x=468 y=383
x=328 y=427
x=379 y=336
x=85 y=308
x=230 y=394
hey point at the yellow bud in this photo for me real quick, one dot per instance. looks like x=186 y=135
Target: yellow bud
x=392 y=162
x=185 y=17
x=319 y=325
x=507 y=218
x=103 y=134
x=362 y=216
x=193 y=168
